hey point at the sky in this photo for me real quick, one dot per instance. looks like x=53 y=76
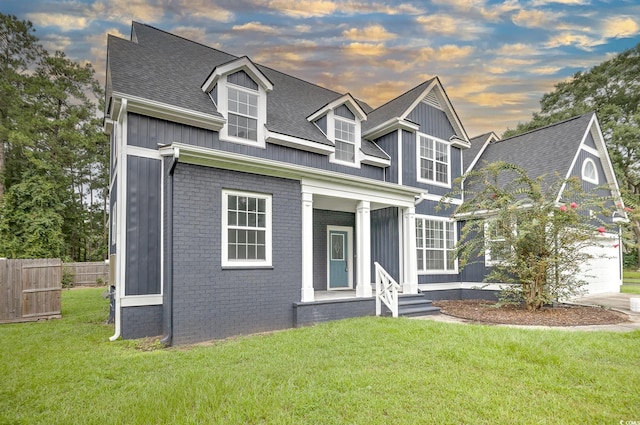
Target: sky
x=495 y=58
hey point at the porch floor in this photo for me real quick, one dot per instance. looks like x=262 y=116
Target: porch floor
x=335 y=295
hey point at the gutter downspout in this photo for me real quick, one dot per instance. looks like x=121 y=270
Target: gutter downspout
x=168 y=339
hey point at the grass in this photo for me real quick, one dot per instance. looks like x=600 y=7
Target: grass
x=630 y=282
x=360 y=371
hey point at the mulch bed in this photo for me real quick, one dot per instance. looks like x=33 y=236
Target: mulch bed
x=561 y=315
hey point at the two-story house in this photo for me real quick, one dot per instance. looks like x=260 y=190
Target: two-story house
x=244 y=199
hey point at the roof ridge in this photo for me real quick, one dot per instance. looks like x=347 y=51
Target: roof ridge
x=429 y=81
x=238 y=57
x=183 y=38
x=547 y=126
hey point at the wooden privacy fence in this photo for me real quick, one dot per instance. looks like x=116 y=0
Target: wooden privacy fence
x=88 y=274
x=30 y=289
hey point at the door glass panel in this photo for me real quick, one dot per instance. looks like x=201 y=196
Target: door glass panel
x=337 y=247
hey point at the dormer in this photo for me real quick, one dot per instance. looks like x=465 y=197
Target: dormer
x=341 y=121
x=239 y=91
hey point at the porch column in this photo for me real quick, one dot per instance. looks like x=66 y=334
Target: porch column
x=363 y=249
x=410 y=263
x=307 y=247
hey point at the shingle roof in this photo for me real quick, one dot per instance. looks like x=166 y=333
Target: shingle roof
x=468 y=155
x=395 y=107
x=170 y=69
x=545 y=151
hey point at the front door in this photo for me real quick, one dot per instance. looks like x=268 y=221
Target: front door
x=339 y=253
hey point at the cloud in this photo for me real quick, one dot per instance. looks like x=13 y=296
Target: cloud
x=580 y=41
x=382 y=91
x=201 y=9
x=371 y=33
x=545 y=70
x=620 y=27
x=256 y=27
x=535 y=18
x=127 y=10
x=53 y=42
x=497 y=99
x=441 y=24
x=446 y=53
x=516 y=49
x=565 y=2
x=366 y=49
x=196 y=34
x=302 y=8
x=63 y=21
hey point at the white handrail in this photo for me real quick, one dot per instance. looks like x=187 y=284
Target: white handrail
x=386 y=291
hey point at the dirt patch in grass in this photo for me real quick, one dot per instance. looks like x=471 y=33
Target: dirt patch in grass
x=561 y=315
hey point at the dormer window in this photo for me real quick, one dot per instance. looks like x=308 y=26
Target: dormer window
x=239 y=91
x=242 y=117
x=341 y=121
x=345 y=139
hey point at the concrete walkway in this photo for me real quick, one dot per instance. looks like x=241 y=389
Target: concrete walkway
x=615 y=301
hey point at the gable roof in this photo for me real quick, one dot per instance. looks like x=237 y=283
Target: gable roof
x=400 y=107
x=478 y=145
x=544 y=151
x=168 y=69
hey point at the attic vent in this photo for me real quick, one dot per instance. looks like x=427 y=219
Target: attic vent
x=431 y=99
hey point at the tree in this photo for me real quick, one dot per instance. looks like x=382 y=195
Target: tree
x=18 y=50
x=537 y=245
x=613 y=90
x=52 y=135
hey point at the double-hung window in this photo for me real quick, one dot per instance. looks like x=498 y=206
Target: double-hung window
x=242 y=113
x=345 y=139
x=434 y=158
x=496 y=248
x=246 y=229
x=435 y=245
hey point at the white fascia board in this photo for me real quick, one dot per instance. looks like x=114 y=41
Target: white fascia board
x=448 y=110
x=347 y=98
x=459 y=143
x=390 y=125
x=374 y=194
x=375 y=161
x=297 y=143
x=173 y=113
x=245 y=64
x=594 y=127
x=486 y=143
x=198 y=155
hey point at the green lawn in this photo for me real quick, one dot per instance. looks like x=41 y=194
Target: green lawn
x=361 y=371
x=630 y=282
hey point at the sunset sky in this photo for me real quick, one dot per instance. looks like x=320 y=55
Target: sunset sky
x=495 y=58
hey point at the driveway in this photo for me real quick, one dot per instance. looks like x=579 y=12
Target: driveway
x=615 y=301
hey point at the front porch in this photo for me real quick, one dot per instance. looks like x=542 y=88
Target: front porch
x=345 y=230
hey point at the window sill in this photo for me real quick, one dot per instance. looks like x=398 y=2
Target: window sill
x=433 y=183
x=248 y=267
x=435 y=272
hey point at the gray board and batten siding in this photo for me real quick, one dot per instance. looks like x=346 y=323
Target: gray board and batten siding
x=432 y=121
x=322 y=219
x=143 y=226
x=147 y=132
x=210 y=302
x=389 y=143
x=385 y=241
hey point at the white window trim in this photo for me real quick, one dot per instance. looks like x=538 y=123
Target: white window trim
x=434 y=182
x=455 y=241
x=595 y=169
x=223 y=108
x=331 y=135
x=488 y=261
x=226 y=263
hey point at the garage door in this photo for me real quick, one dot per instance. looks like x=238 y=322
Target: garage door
x=603 y=271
